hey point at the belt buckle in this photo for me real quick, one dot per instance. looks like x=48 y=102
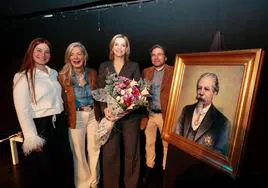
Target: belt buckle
x=156 y=111
x=86 y=108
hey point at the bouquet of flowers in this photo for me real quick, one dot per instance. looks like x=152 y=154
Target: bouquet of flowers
x=122 y=95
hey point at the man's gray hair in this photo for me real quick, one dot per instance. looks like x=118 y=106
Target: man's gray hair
x=215 y=79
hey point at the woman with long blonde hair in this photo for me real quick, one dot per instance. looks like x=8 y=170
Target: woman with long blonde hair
x=83 y=113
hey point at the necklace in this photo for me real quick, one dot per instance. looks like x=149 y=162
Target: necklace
x=81 y=79
x=80 y=76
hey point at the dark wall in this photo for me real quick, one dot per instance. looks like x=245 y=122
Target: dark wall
x=181 y=26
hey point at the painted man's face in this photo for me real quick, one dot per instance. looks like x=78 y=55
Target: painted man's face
x=205 y=91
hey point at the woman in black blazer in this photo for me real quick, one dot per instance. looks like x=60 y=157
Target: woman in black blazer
x=126 y=130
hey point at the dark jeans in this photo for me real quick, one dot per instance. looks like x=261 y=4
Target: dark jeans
x=126 y=133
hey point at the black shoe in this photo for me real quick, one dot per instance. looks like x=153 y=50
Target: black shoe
x=147 y=174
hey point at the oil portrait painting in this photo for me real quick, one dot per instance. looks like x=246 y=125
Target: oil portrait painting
x=211 y=103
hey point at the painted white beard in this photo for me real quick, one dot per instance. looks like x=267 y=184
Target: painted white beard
x=200 y=106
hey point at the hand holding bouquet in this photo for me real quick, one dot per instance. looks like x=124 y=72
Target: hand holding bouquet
x=111 y=117
x=122 y=95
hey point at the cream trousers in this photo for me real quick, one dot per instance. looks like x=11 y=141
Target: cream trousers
x=86 y=163
x=155 y=122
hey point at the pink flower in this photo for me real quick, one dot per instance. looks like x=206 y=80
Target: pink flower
x=118 y=89
x=126 y=82
x=128 y=99
x=129 y=94
x=135 y=91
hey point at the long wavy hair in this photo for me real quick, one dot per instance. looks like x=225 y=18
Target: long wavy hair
x=111 y=45
x=66 y=71
x=28 y=64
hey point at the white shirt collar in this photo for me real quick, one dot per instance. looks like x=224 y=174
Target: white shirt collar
x=204 y=110
x=47 y=67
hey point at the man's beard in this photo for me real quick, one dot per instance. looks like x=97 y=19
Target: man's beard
x=200 y=104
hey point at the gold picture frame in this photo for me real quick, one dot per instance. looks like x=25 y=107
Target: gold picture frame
x=238 y=72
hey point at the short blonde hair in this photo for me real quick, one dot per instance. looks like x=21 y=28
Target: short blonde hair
x=111 y=45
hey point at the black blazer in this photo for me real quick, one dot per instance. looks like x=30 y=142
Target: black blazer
x=130 y=70
x=213 y=131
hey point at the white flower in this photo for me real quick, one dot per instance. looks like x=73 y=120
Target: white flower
x=118 y=98
x=133 y=83
x=129 y=90
x=131 y=106
x=121 y=100
x=122 y=92
x=145 y=92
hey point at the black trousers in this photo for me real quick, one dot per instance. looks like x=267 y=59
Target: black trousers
x=126 y=133
x=53 y=167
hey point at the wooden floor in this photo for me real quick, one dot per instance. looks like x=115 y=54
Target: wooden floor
x=11 y=176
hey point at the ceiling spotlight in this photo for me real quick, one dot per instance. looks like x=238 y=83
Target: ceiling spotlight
x=48 y=16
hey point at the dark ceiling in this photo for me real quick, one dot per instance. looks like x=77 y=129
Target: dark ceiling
x=19 y=9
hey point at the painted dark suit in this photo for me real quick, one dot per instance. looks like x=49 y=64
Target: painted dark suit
x=213 y=131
